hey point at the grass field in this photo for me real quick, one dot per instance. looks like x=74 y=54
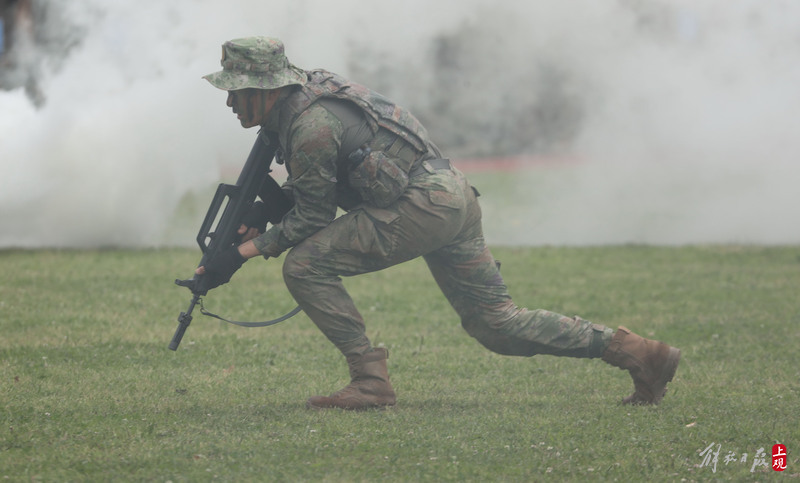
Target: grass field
x=89 y=391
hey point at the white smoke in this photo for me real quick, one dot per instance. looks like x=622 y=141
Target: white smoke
x=687 y=135
x=690 y=128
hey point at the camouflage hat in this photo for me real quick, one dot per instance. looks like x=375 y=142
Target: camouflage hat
x=255 y=62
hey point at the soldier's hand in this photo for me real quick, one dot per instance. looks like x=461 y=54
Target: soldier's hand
x=254 y=222
x=248 y=233
x=220 y=269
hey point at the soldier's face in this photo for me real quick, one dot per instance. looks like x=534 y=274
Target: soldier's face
x=252 y=106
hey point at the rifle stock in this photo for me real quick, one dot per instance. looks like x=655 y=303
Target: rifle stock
x=234 y=201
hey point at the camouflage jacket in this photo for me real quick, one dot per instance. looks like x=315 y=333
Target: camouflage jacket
x=311 y=136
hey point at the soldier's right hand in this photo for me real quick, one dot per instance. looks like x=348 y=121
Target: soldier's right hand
x=255 y=221
x=247 y=233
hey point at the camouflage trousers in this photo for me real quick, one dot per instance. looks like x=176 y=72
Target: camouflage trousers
x=438 y=218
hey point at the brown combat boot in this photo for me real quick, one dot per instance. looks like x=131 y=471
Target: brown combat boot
x=652 y=365
x=369 y=385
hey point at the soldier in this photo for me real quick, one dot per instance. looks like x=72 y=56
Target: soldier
x=347 y=146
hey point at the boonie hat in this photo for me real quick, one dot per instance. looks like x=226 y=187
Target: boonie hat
x=255 y=62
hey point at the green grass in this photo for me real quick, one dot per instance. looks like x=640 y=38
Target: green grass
x=90 y=392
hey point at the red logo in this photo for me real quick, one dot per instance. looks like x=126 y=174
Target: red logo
x=779 y=457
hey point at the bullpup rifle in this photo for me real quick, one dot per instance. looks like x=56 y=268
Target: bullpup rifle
x=219 y=232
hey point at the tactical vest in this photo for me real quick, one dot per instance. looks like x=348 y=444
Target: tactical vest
x=380 y=111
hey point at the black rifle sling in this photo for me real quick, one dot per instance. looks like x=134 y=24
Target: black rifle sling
x=267 y=323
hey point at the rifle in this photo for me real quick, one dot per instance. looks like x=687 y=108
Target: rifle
x=254 y=180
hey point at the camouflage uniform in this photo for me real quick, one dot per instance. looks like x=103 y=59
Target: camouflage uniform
x=437 y=217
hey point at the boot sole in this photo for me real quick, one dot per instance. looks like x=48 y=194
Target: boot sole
x=322 y=403
x=377 y=407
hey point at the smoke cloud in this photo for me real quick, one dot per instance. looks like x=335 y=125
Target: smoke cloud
x=679 y=117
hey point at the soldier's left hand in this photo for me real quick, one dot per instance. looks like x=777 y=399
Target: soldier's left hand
x=220 y=269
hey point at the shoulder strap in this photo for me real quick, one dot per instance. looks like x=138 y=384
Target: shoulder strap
x=355 y=126
x=378 y=110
